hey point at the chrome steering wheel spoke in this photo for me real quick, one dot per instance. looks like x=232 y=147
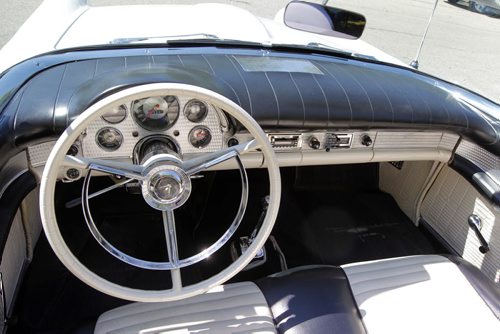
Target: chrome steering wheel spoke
x=124 y=169
x=172 y=249
x=206 y=161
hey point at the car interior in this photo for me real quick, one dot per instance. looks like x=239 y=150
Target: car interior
x=218 y=188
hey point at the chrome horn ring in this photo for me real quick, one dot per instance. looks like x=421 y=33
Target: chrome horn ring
x=169 y=204
x=167 y=187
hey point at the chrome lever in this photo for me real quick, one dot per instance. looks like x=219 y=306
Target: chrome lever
x=476 y=224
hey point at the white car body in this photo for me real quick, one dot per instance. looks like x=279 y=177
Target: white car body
x=57 y=25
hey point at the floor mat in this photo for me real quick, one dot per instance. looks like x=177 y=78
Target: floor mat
x=353 y=227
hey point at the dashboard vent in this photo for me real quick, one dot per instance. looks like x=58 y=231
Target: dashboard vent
x=397 y=164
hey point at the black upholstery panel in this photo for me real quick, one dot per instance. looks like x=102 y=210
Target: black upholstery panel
x=312 y=300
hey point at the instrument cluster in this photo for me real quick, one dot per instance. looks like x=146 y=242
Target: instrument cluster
x=189 y=124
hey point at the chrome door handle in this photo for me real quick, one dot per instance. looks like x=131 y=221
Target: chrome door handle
x=475 y=224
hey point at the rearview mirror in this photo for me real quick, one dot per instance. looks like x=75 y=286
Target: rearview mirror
x=324 y=20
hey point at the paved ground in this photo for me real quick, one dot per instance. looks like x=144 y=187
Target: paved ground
x=461 y=46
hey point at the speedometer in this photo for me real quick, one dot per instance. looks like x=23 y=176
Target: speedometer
x=156 y=113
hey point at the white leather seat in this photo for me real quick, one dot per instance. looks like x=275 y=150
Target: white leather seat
x=233 y=308
x=418 y=294
x=415 y=294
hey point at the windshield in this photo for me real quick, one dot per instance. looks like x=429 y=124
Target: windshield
x=461 y=45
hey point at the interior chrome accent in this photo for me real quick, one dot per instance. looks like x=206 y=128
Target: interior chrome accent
x=338 y=140
x=58 y=160
x=175 y=263
x=280 y=141
x=109 y=138
x=78 y=201
x=476 y=225
x=166 y=187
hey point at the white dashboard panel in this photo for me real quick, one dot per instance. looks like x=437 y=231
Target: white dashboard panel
x=127 y=127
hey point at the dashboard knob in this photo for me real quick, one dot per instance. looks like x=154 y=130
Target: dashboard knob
x=232 y=142
x=314 y=143
x=73 y=150
x=366 y=140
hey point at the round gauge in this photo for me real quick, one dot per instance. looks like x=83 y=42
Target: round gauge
x=116 y=114
x=195 y=111
x=156 y=113
x=200 y=136
x=109 y=139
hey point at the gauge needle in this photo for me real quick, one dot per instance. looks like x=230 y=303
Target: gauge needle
x=152 y=110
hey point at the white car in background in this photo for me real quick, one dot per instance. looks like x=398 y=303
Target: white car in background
x=489 y=7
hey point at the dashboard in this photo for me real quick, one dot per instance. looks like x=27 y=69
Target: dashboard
x=315 y=109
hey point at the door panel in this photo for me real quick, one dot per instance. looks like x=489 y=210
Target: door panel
x=447 y=207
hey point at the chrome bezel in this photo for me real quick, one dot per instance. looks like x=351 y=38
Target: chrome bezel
x=107 y=148
x=103 y=117
x=204 y=115
x=199 y=127
x=144 y=126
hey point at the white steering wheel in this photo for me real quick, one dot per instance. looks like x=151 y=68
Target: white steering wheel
x=153 y=175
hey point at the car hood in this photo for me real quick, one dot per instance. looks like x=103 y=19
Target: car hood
x=75 y=24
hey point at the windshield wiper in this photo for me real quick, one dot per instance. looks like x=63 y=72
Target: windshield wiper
x=164 y=39
x=322 y=46
x=190 y=39
x=316 y=47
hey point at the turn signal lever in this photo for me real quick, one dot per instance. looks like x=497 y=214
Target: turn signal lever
x=476 y=224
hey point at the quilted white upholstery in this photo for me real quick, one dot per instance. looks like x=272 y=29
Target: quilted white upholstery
x=405 y=184
x=418 y=294
x=233 y=308
x=447 y=206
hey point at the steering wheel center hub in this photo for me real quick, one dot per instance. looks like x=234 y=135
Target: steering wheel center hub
x=166 y=187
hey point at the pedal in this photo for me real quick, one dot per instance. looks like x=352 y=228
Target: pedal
x=245 y=242
x=241 y=245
